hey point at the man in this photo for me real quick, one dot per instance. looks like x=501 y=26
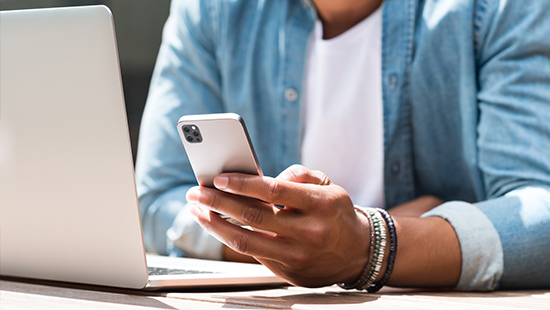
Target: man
x=448 y=99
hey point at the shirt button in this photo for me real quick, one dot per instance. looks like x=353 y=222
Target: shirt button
x=291 y=94
x=395 y=167
x=393 y=81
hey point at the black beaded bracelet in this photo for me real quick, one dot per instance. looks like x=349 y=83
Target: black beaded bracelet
x=393 y=251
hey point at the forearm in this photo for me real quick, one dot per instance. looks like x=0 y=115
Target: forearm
x=428 y=253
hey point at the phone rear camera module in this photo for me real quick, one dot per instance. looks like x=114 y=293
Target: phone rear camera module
x=192 y=133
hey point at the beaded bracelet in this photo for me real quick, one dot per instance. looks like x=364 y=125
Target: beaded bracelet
x=393 y=252
x=379 y=249
x=365 y=273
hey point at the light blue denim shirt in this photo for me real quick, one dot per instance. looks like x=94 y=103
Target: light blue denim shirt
x=466 y=95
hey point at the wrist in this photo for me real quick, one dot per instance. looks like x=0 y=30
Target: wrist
x=381 y=253
x=361 y=246
x=376 y=250
x=391 y=253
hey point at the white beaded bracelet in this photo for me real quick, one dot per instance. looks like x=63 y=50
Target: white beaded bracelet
x=382 y=251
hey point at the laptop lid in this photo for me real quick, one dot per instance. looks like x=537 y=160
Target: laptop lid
x=68 y=204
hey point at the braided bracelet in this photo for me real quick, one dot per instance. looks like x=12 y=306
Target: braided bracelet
x=393 y=252
x=365 y=275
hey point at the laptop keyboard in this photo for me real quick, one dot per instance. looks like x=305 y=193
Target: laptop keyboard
x=158 y=271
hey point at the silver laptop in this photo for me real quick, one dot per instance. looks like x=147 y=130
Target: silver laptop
x=68 y=204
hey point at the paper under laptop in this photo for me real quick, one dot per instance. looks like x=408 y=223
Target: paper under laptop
x=68 y=203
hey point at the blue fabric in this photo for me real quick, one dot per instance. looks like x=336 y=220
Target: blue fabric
x=466 y=91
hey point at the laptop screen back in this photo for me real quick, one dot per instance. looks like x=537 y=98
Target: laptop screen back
x=68 y=205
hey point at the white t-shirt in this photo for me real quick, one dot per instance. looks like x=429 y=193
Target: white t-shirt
x=343 y=122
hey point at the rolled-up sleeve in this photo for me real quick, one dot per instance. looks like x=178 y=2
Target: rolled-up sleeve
x=482 y=261
x=515 y=224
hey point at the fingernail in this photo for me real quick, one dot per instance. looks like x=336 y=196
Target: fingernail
x=193 y=194
x=221 y=182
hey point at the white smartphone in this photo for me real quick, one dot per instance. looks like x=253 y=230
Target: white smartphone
x=217 y=143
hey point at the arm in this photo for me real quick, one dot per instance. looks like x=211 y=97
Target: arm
x=320 y=239
x=504 y=239
x=185 y=81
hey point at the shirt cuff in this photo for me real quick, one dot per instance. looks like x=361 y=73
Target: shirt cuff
x=188 y=235
x=482 y=255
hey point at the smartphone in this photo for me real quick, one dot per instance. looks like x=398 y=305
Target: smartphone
x=217 y=143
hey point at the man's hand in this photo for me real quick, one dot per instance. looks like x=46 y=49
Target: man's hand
x=319 y=238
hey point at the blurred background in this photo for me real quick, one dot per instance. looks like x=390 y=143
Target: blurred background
x=138 y=25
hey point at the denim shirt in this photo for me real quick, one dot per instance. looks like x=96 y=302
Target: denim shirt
x=466 y=95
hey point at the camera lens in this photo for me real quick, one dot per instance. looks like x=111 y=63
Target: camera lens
x=195 y=133
x=186 y=129
x=189 y=138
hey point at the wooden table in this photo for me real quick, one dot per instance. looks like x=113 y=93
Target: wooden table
x=47 y=295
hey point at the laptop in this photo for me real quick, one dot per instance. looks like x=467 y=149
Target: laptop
x=68 y=203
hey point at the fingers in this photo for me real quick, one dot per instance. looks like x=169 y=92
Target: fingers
x=289 y=259
x=301 y=174
x=319 y=241
x=239 y=239
x=233 y=256
x=250 y=212
x=271 y=190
